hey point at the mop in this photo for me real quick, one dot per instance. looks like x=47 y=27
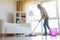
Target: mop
x=34 y=30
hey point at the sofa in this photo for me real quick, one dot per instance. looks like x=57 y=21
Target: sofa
x=13 y=28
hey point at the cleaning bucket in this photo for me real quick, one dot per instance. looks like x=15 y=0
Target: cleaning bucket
x=53 y=31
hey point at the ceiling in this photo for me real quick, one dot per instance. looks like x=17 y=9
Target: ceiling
x=35 y=0
x=19 y=0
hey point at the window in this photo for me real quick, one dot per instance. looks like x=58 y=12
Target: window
x=37 y=26
x=50 y=8
x=34 y=17
x=53 y=23
x=59 y=13
x=59 y=7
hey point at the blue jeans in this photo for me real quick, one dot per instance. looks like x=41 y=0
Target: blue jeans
x=46 y=25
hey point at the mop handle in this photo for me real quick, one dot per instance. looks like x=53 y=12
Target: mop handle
x=36 y=26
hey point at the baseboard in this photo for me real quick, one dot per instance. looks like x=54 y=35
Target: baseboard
x=10 y=35
x=6 y=35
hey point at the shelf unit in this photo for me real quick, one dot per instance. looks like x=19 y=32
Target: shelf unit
x=20 y=17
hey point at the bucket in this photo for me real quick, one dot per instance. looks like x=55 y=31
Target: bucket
x=53 y=31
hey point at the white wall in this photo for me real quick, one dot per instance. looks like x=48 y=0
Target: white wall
x=5 y=7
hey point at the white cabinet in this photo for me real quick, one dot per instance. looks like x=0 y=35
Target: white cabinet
x=19 y=17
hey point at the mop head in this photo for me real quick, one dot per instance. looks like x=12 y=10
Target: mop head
x=30 y=35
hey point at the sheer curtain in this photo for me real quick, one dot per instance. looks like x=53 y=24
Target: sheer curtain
x=33 y=19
